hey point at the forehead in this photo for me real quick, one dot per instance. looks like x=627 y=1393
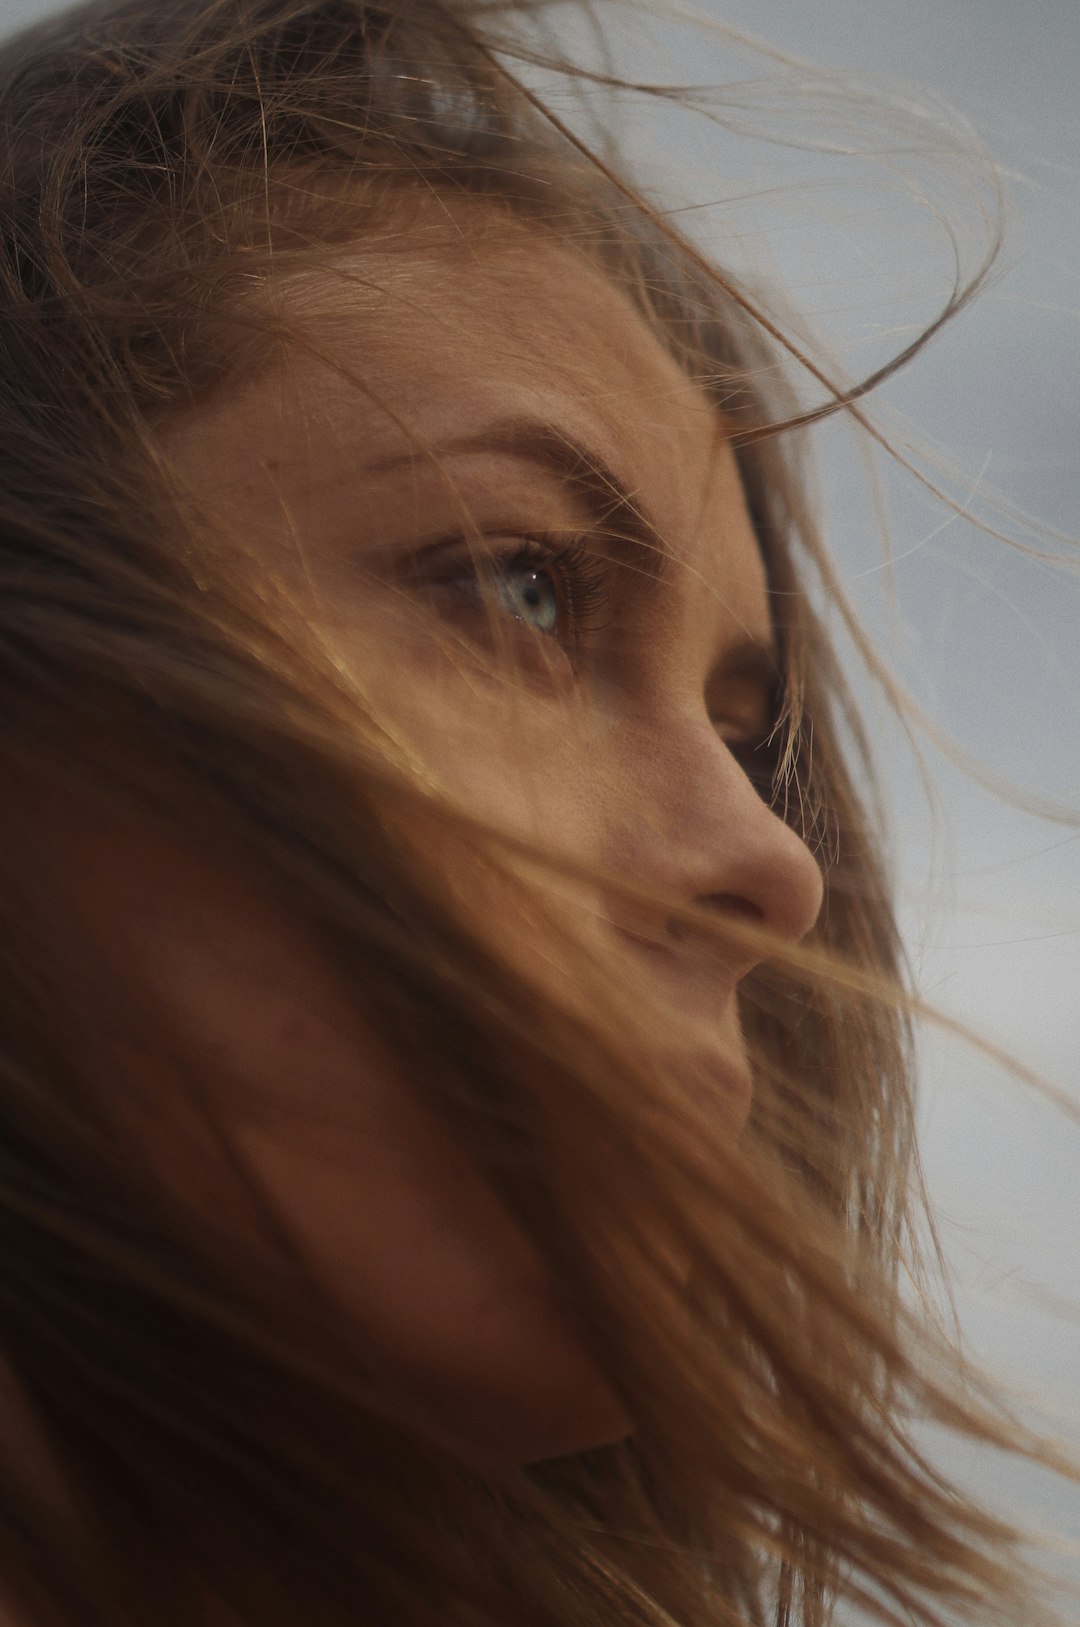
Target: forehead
x=434 y=337
x=453 y=317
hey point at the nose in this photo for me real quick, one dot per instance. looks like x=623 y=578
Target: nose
x=694 y=829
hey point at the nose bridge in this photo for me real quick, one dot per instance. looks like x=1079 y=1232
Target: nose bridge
x=694 y=826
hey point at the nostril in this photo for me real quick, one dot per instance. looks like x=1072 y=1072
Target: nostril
x=732 y=904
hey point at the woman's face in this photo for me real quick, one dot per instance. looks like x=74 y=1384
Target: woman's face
x=522 y=529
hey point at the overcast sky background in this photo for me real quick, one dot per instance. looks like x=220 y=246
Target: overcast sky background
x=988 y=640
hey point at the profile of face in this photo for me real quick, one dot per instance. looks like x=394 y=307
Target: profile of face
x=525 y=476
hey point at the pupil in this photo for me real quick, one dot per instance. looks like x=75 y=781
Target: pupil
x=537 y=601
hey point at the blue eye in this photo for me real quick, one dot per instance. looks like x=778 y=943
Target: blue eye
x=529 y=594
x=554 y=589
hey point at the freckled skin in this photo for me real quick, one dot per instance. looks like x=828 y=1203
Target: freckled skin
x=624 y=759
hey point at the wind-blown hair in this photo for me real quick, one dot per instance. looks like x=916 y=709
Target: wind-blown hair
x=167 y=173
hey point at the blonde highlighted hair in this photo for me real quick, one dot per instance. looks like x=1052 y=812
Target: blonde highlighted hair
x=162 y=169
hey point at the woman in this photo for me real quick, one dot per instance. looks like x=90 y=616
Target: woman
x=456 y=1132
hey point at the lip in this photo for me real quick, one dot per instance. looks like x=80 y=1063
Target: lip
x=677 y=940
x=697 y=987
x=694 y=966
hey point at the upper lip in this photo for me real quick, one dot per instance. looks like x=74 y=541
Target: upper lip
x=700 y=983
x=692 y=948
x=697 y=978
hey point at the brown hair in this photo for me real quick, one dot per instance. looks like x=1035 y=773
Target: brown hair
x=160 y=168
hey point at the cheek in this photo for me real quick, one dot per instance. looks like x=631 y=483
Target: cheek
x=516 y=749
x=246 y=1080
x=527 y=764
x=439 y=1283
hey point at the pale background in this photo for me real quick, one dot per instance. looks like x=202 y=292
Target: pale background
x=988 y=640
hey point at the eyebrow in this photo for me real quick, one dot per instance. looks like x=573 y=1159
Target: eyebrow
x=553 y=449
x=612 y=503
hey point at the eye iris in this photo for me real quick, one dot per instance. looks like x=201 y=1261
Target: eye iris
x=531 y=595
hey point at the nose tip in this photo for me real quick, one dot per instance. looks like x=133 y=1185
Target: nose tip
x=703 y=834
x=781 y=891
x=786 y=886
x=767 y=876
x=753 y=865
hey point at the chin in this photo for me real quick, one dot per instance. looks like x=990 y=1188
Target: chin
x=601 y=1421
x=575 y=1412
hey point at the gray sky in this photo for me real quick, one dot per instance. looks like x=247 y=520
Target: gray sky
x=989 y=641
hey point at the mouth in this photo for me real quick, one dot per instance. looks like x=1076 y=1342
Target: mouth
x=693 y=970
x=692 y=987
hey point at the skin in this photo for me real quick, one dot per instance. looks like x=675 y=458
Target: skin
x=620 y=741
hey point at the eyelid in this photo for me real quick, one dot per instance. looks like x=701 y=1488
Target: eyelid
x=477 y=546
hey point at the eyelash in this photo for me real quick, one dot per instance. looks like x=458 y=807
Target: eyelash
x=581 y=577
